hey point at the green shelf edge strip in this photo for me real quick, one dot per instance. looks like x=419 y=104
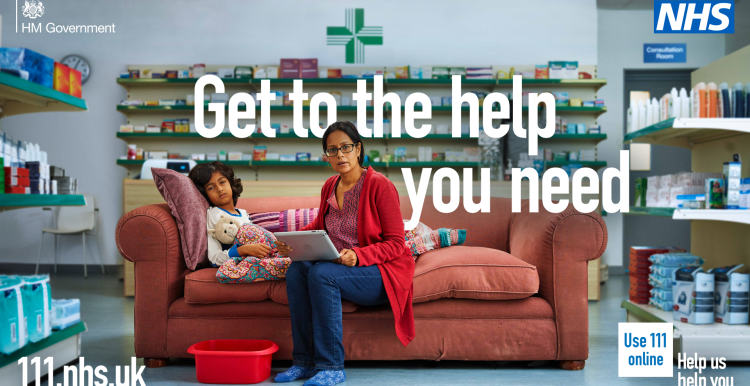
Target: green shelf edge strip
x=26 y=200
x=575 y=82
x=45 y=92
x=321 y=163
x=640 y=312
x=662 y=212
x=31 y=348
x=649 y=129
x=583 y=163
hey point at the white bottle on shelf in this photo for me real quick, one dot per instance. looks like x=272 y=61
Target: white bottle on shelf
x=655 y=107
x=632 y=116
x=684 y=104
x=649 y=114
x=641 y=115
x=674 y=104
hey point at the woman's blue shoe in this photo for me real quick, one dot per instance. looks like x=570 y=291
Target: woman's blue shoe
x=327 y=378
x=294 y=373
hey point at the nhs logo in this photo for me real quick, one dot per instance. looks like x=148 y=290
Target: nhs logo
x=698 y=17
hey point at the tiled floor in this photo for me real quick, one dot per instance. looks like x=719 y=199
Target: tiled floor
x=109 y=342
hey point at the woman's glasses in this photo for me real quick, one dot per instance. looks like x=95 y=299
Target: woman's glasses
x=332 y=152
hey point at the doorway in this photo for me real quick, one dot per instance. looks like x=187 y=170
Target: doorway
x=654 y=230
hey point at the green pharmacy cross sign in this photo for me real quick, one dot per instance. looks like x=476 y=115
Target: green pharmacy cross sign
x=355 y=36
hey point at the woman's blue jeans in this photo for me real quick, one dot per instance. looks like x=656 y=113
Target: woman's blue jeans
x=315 y=290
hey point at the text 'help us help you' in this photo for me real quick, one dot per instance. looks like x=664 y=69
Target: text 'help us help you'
x=418 y=192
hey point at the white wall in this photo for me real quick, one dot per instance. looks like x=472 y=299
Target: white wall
x=259 y=32
x=622 y=34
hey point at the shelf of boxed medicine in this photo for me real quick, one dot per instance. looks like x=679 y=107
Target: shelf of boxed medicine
x=709 y=340
x=595 y=138
x=18 y=96
x=559 y=109
x=19 y=201
x=587 y=164
x=64 y=345
x=597 y=83
x=684 y=132
x=125 y=162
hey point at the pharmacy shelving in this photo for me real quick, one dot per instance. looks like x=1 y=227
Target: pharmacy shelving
x=63 y=346
x=594 y=138
x=587 y=164
x=705 y=340
x=651 y=211
x=719 y=236
x=324 y=164
x=686 y=132
x=741 y=216
x=18 y=96
x=446 y=109
x=592 y=83
x=19 y=201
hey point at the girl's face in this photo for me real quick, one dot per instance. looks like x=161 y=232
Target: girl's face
x=219 y=190
x=342 y=162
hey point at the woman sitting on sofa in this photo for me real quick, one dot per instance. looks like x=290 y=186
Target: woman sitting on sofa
x=360 y=211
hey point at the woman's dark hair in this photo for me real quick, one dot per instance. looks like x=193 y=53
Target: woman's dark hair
x=201 y=174
x=349 y=129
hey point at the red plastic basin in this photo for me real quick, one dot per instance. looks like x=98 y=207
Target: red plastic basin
x=233 y=361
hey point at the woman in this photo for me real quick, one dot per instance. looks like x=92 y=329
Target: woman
x=360 y=210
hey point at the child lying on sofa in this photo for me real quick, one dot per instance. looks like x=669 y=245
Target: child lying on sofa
x=218 y=185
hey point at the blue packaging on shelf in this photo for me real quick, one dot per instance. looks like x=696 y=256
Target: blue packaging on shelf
x=13 y=332
x=664 y=305
x=65 y=313
x=662 y=270
x=39 y=67
x=660 y=293
x=33 y=167
x=37 y=306
x=660 y=281
x=676 y=260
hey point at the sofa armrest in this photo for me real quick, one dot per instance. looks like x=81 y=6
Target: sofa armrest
x=148 y=236
x=560 y=245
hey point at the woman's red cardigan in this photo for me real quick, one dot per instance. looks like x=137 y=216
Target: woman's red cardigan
x=380 y=233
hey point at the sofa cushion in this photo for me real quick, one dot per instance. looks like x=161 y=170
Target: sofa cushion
x=189 y=208
x=202 y=287
x=473 y=273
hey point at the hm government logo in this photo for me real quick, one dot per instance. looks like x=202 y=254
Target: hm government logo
x=355 y=35
x=33 y=9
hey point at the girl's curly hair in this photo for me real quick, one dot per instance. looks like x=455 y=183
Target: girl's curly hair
x=201 y=174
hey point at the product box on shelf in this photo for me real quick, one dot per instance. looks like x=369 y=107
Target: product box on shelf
x=731 y=299
x=75 y=83
x=308 y=68
x=731 y=175
x=290 y=68
x=39 y=67
x=639 y=270
x=62 y=78
x=693 y=295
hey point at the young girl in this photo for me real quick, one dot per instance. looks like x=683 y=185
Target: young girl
x=222 y=189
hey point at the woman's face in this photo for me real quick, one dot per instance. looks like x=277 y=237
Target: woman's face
x=342 y=162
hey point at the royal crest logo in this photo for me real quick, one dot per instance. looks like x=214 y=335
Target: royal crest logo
x=33 y=9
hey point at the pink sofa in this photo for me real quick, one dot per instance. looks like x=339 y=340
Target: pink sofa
x=517 y=290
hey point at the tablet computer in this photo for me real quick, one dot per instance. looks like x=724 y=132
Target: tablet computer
x=309 y=245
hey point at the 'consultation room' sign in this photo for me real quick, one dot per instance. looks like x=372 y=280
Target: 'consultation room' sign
x=664 y=53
